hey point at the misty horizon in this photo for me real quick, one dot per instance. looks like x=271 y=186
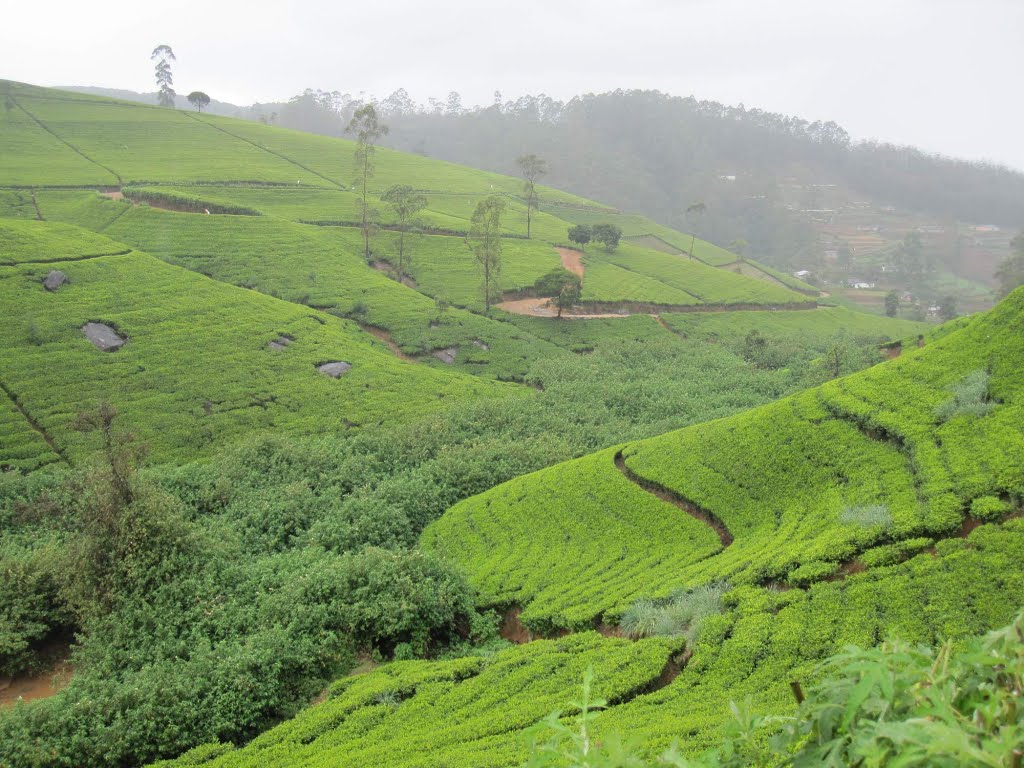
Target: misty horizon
x=927 y=74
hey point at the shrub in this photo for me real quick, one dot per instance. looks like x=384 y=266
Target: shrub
x=808 y=573
x=970 y=398
x=989 y=508
x=867 y=516
x=945 y=511
x=680 y=615
x=404 y=652
x=33 y=333
x=890 y=554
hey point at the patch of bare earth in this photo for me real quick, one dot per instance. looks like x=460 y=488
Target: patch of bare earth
x=34 y=687
x=893 y=351
x=512 y=628
x=117 y=194
x=571 y=260
x=384 y=336
x=542 y=308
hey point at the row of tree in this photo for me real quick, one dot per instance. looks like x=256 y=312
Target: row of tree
x=607 y=235
x=650 y=152
x=484 y=238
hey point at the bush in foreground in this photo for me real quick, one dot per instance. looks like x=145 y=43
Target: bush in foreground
x=893 y=705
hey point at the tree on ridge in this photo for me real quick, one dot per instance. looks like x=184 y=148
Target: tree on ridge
x=163 y=55
x=485 y=241
x=695 y=209
x=407 y=202
x=198 y=99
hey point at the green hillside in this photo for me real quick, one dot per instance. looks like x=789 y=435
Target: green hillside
x=699 y=483
x=809 y=573
x=781 y=479
x=291 y=175
x=287 y=181
x=192 y=375
x=398 y=716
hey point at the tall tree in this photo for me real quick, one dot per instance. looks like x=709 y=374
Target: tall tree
x=692 y=211
x=198 y=99
x=532 y=168
x=406 y=202
x=568 y=297
x=739 y=247
x=485 y=241
x=367 y=129
x=163 y=55
x=892 y=304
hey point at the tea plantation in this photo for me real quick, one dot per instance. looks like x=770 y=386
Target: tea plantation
x=277 y=504
x=573 y=540
x=784 y=480
x=234 y=381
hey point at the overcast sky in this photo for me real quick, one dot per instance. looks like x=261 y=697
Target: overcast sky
x=939 y=74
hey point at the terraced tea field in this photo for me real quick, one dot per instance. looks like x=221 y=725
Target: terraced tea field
x=779 y=478
x=206 y=276
x=477 y=711
x=573 y=544
x=193 y=375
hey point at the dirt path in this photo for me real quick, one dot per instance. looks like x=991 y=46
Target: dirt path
x=676 y=500
x=663 y=324
x=32 y=687
x=542 y=308
x=571 y=260
x=117 y=194
x=384 y=336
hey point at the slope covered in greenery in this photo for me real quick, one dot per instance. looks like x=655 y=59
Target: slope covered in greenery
x=397 y=715
x=213 y=600
x=572 y=542
x=784 y=480
x=192 y=375
x=299 y=176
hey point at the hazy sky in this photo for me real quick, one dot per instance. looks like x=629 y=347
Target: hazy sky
x=940 y=74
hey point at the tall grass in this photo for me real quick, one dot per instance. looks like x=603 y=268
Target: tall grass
x=680 y=615
x=970 y=398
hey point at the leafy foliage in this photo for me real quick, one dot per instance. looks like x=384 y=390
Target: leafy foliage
x=970 y=398
x=681 y=614
x=606 y=234
x=485 y=241
x=580 y=234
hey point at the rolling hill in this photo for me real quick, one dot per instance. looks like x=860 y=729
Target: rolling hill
x=283 y=213
x=310 y=414
x=885 y=502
